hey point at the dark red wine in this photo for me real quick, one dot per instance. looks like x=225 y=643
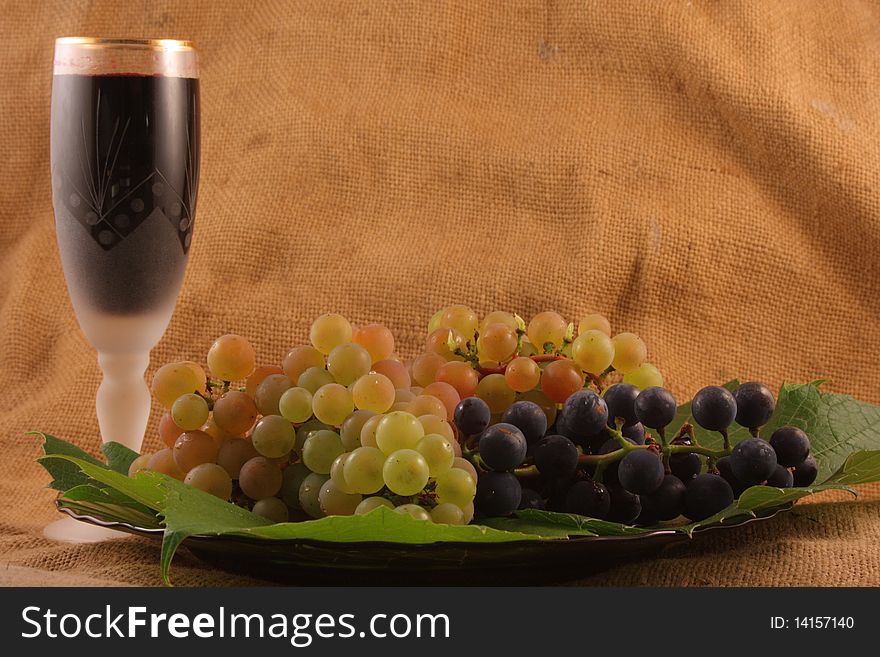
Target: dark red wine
x=125 y=172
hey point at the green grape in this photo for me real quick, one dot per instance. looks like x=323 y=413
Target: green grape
x=168 y=431
x=447 y=514
x=348 y=362
x=561 y=379
x=373 y=392
x=522 y=374
x=307 y=429
x=299 y=359
x=321 y=448
x=497 y=342
x=140 y=463
x=273 y=436
x=493 y=390
x=644 y=376
x=593 y=351
x=235 y=412
x=468 y=513
x=403 y=395
x=309 y=490
x=413 y=511
x=434 y=424
x=163 y=461
x=336 y=502
x=370 y=503
x=456 y=487
x=377 y=339
x=257 y=376
x=269 y=393
x=260 y=477
x=594 y=322
x=329 y=331
x=547 y=331
x=397 y=430
x=211 y=478
x=394 y=370
x=292 y=478
x=234 y=453
x=194 y=448
x=200 y=375
x=231 y=358
x=350 y=432
x=463 y=464
x=406 y=472
x=272 y=509
x=541 y=400
x=313 y=378
x=426 y=405
x=368 y=431
x=332 y=403
x=173 y=380
x=295 y=405
x=337 y=473
x=363 y=470
x=438 y=453
x=426 y=366
x=498 y=317
x=462 y=319
x=629 y=352
x=434 y=322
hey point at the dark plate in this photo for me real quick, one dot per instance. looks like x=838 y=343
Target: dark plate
x=382 y=563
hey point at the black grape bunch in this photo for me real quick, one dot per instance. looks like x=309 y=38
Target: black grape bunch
x=610 y=455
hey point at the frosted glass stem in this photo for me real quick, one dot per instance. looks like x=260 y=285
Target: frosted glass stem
x=123 y=400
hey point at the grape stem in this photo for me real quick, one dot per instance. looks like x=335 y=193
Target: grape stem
x=538 y=358
x=667 y=450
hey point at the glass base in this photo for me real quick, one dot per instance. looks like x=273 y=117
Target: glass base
x=68 y=530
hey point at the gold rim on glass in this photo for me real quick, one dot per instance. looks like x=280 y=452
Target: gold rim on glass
x=159 y=44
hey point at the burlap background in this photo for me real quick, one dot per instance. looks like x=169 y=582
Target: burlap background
x=705 y=173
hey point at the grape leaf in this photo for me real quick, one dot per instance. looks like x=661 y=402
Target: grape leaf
x=65 y=475
x=119 y=457
x=187 y=511
x=560 y=525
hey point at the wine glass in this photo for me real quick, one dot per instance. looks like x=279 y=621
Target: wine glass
x=125 y=174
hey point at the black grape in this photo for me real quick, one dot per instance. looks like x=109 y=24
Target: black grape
x=667 y=502
x=724 y=469
x=472 y=416
x=502 y=447
x=498 y=493
x=791 y=445
x=655 y=407
x=588 y=498
x=706 y=495
x=685 y=466
x=625 y=506
x=620 y=399
x=527 y=417
x=754 y=404
x=805 y=473
x=609 y=474
x=556 y=456
x=752 y=461
x=640 y=471
x=781 y=478
x=583 y=414
x=714 y=408
x=635 y=433
x=531 y=499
